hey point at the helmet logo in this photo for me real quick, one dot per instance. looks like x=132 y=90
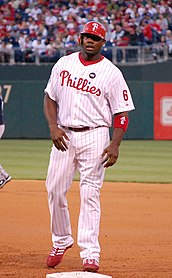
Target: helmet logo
x=95 y=26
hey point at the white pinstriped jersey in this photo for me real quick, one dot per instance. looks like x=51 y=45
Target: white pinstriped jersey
x=88 y=95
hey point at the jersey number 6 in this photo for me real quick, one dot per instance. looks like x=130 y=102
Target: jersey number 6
x=125 y=95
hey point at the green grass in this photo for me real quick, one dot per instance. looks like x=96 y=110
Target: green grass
x=139 y=160
x=143 y=161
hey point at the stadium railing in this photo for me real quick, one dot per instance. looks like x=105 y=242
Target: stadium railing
x=118 y=55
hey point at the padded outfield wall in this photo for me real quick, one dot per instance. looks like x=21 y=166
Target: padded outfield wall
x=22 y=87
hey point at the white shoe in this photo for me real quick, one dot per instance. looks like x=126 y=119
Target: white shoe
x=4 y=180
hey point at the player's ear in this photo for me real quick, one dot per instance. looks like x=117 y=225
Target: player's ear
x=79 y=40
x=103 y=42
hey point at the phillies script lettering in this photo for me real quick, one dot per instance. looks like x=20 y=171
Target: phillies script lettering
x=80 y=84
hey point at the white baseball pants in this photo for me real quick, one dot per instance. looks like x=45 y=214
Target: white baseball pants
x=84 y=153
x=2 y=129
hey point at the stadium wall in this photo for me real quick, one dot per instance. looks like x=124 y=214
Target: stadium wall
x=22 y=88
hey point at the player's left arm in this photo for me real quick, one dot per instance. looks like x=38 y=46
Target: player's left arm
x=111 y=153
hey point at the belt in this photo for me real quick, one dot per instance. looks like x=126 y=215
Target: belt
x=78 y=129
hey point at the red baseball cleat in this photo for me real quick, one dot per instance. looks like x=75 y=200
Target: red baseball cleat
x=56 y=255
x=90 y=265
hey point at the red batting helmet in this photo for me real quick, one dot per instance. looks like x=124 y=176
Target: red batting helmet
x=94 y=28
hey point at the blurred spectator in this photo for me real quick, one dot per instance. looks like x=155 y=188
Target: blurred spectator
x=141 y=9
x=141 y=36
x=168 y=39
x=26 y=49
x=125 y=38
x=151 y=31
x=59 y=43
x=35 y=11
x=5 y=51
x=72 y=24
x=39 y=47
x=13 y=43
x=61 y=29
x=162 y=22
x=15 y=3
x=64 y=12
x=147 y=32
x=132 y=54
x=23 y=26
x=151 y=8
x=130 y=10
x=21 y=40
x=51 y=53
x=51 y=48
x=71 y=41
x=56 y=9
x=164 y=7
x=107 y=50
x=50 y=22
x=133 y=37
x=8 y=12
x=32 y=24
x=161 y=47
x=117 y=34
x=42 y=30
x=119 y=38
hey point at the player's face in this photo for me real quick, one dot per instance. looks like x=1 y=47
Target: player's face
x=91 y=44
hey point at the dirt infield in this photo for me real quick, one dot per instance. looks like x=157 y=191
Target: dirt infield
x=135 y=237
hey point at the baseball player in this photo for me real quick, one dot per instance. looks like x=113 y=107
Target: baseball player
x=4 y=176
x=83 y=93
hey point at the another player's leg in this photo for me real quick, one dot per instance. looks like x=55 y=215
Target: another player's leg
x=91 y=179
x=59 y=178
x=4 y=177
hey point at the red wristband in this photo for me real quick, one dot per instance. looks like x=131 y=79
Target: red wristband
x=121 y=122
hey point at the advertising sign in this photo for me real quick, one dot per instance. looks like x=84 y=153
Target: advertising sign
x=163 y=111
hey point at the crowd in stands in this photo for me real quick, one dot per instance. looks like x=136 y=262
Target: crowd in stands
x=47 y=27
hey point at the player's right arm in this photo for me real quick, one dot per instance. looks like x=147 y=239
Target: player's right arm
x=58 y=136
